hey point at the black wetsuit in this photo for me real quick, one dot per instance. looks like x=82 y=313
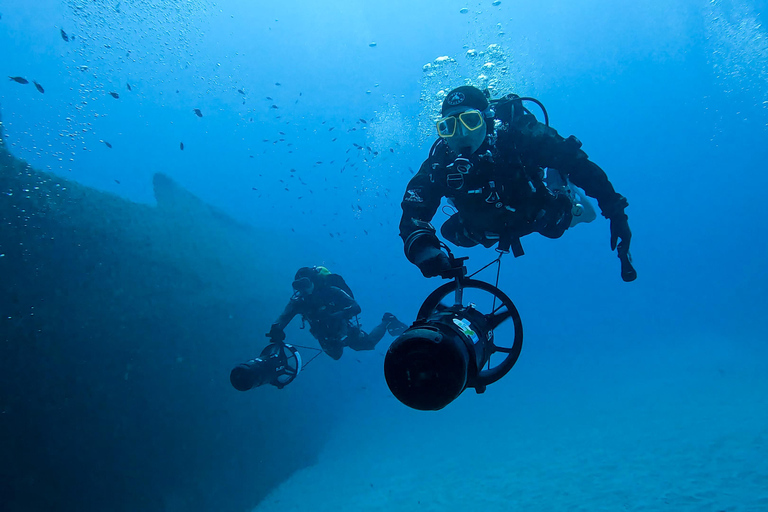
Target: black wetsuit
x=329 y=311
x=503 y=196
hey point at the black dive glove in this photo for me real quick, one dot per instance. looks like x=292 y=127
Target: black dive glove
x=621 y=236
x=422 y=248
x=620 y=231
x=432 y=262
x=276 y=334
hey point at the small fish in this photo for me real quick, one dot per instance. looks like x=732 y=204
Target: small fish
x=278 y=83
x=128 y=86
x=114 y=95
x=274 y=106
x=197 y=112
x=64 y=35
x=391 y=150
x=281 y=133
x=269 y=98
x=107 y=144
x=363 y=121
x=181 y=146
x=372 y=45
x=333 y=140
x=241 y=91
x=331 y=128
x=254 y=188
x=117 y=181
x=19 y=79
x=38 y=86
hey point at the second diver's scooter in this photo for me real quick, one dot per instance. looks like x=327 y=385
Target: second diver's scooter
x=278 y=364
x=445 y=350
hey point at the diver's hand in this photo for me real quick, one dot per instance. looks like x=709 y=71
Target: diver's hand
x=620 y=230
x=628 y=272
x=276 y=334
x=433 y=262
x=620 y=237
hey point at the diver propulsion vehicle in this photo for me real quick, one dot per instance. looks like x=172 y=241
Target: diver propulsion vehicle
x=446 y=349
x=278 y=365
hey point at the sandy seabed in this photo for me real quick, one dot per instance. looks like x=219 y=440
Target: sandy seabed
x=679 y=436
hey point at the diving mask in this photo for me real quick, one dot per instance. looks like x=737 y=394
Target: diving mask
x=471 y=120
x=302 y=285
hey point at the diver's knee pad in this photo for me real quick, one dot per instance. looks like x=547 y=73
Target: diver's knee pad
x=553 y=222
x=581 y=207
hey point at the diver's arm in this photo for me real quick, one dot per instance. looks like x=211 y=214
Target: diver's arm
x=346 y=306
x=291 y=310
x=541 y=145
x=421 y=200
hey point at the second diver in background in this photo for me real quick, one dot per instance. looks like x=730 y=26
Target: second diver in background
x=325 y=301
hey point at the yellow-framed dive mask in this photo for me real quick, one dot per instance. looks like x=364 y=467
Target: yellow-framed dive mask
x=471 y=119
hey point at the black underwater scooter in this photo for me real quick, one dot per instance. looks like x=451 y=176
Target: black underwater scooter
x=278 y=365
x=444 y=351
x=428 y=366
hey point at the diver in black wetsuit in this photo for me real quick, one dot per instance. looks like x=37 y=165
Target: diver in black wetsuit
x=325 y=301
x=495 y=178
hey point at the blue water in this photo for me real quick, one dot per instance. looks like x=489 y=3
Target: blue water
x=663 y=376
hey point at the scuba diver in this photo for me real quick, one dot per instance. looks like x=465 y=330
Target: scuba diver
x=490 y=161
x=325 y=301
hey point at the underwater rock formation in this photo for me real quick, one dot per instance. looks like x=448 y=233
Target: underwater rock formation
x=119 y=324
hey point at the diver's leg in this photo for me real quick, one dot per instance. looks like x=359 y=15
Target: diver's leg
x=333 y=347
x=553 y=221
x=394 y=326
x=581 y=206
x=364 y=341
